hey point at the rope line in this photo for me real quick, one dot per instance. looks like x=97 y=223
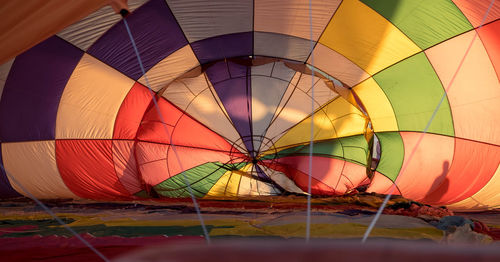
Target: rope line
x=309 y=179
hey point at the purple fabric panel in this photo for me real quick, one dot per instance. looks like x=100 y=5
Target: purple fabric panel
x=33 y=89
x=218 y=72
x=6 y=189
x=235 y=96
x=224 y=46
x=156 y=34
x=261 y=173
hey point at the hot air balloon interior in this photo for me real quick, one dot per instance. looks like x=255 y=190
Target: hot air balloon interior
x=248 y=105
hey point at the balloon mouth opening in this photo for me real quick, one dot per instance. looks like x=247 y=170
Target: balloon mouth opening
x=255 y=155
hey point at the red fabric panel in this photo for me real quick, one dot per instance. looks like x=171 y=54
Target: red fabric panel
x=340 y=175
x=301 y=179
x=87 y=168
x=382 y=185
x=152 y=129
x=126 y=165
x=490 y=36
x=473 y=166
x=158 y=162
x=152 y=162
x=131 y=112
x=184 y=130
x=428 y=166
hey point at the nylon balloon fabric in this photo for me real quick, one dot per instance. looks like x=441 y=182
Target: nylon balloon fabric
x=232 y=81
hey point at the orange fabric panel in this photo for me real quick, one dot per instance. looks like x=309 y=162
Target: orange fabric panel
x=126 y=165
x=131 y=112
x=473 y=166
x=87 y=168
x=429 y=164
x=475 y=10
x=473 y=95
x=27 y=23
x=490 y=36
x=382 y=185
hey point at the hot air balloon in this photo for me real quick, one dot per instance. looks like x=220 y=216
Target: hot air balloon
x=239 y=97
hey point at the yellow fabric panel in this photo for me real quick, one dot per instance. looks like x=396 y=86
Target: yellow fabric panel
x=229 y=184
x=344 y=70
x=486 y=198
x=91 y=100
x=219 y=188
x=377 y=105
x=170 y=68
x=337 y=119
x=27 y=23
x=33 y=165
x=366 y=38
x=292 y=17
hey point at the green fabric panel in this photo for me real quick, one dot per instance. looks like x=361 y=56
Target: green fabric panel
x=201 y=178
x=426 y=22
x=392 y=154
x=353 y=149
x=414 y=90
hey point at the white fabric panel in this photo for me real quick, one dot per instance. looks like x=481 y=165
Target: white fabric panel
x=296 y=109
x=33 y=165
x=4 y=73
x=200 y=19
x=86 y=31
x=265 y=69
x=91 y=100
x=322 y=93
x=170 y=68
x=284 y=46
x=292 y=17
x=281 y=71
x=289 y=91
x=266 y=96
x=282 y=180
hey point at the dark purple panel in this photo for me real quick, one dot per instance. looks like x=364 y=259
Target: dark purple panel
x=6 y=189
x=156 y=34
x=218 y=72
x=235 y=95
x=33 y=89
x=224 y=46
x=261 y=173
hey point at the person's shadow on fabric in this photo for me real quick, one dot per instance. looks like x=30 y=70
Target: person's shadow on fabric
x=440 y=185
